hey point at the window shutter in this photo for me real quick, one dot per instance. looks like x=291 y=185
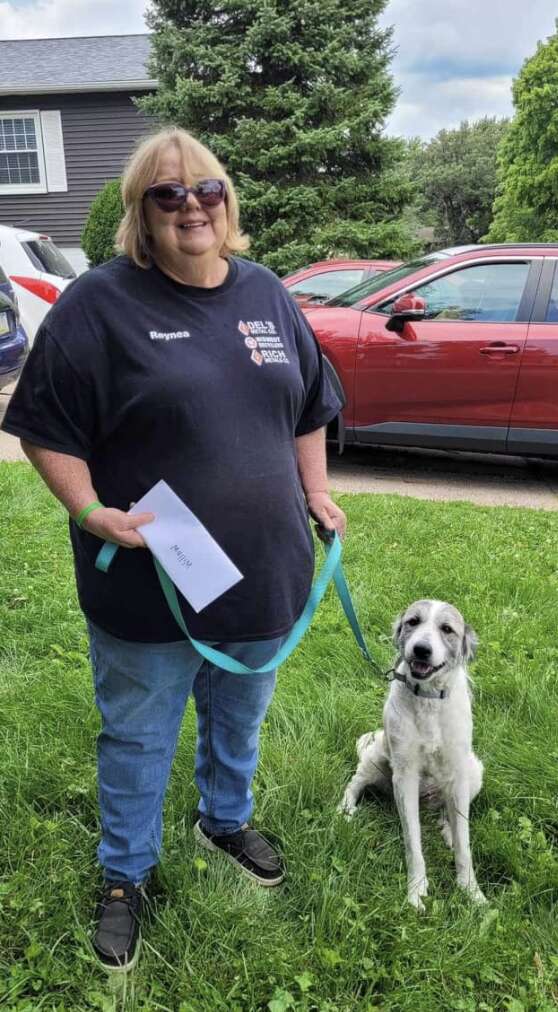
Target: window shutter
x=53 y=143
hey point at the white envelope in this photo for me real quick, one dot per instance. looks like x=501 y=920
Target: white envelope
x=192 y=558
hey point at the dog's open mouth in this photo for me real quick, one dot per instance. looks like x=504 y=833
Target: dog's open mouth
x=420 y=669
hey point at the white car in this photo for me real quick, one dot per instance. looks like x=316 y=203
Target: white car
x=38 y=271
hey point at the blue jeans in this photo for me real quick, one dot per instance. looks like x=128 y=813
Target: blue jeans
x=141 y=690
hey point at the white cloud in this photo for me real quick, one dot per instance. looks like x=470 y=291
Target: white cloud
x=476 y=33
x=43 y=19
x=426 y=107
x=456 y=59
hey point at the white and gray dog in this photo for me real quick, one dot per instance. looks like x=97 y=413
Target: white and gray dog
x=425 y=748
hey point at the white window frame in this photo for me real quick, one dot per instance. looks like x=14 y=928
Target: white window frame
x=41 y=186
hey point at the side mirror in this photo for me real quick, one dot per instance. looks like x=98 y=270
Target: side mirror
x=407 y=308
x=307 y=299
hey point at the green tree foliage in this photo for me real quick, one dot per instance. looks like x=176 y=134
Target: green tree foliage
x=97 y=238
x=292 y=96
x=455 y=174
x=526 y=208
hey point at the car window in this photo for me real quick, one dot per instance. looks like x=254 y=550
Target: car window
x=327 y=284
x=3 y=276
x=374 y=284
x=552 y=311
x=485 y=293
x=45 y=256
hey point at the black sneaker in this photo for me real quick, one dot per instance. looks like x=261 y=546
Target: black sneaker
x=248 y=850
x=117 y=938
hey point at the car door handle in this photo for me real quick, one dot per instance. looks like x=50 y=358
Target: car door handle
x=499 y=348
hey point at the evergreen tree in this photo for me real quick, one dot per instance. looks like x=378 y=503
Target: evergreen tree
x=526 y=208
x=455 y=174
x=292 y=96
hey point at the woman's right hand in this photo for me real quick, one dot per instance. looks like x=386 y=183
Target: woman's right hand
x=116 y=526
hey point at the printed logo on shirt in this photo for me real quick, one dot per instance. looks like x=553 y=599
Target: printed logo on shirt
x=174 y=335
x=262 y=339
x=257 y=327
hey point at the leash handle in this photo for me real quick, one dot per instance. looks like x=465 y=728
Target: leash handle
x=326 y=535
x=332 y=569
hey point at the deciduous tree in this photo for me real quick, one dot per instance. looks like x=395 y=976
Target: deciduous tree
x=526 y=208
x=455 y=174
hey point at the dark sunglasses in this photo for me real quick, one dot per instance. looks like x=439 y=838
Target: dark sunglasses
x=170 y=196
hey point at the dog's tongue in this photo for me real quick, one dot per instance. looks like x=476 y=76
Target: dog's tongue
x=421 y=668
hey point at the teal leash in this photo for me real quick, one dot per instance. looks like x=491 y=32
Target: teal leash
x=332 y=569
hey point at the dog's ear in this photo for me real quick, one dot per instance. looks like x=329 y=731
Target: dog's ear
x=470 y=643
x=397 y=629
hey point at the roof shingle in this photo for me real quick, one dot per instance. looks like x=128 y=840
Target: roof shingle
x=33 y=66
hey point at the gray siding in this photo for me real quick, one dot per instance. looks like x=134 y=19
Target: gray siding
x=100 y=131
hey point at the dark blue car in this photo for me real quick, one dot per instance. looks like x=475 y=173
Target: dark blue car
x=14 y=345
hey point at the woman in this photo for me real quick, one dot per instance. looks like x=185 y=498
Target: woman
x=179 y=361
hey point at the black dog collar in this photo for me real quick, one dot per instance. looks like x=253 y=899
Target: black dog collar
x=416 y=689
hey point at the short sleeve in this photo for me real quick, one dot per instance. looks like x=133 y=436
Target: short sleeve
x=52 y=405
x=322 y=403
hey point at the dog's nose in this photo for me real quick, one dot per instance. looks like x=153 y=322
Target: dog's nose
x=422 y=651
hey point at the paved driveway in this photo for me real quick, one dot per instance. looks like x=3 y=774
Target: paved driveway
x=9 y=447
x=485 y=479
x=488 y=480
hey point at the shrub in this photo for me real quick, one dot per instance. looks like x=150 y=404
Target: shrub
x=98 y=235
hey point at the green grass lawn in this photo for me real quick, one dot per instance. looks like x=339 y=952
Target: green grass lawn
x=338 y=935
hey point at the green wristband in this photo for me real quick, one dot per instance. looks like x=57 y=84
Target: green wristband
x=84 y=513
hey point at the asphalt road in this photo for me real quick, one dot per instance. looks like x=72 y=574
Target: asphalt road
x=485 y=479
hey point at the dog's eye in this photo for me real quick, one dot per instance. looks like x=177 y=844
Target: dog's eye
x=413 y=621
x=447 y=628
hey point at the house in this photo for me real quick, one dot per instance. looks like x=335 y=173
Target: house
x=67 y=125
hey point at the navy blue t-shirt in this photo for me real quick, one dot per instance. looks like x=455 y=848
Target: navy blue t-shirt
x=145 y=378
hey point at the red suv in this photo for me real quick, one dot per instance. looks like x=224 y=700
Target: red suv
x=457 y=350
x=320 y=282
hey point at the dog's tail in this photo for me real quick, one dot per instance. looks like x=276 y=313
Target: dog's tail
x=368 y=739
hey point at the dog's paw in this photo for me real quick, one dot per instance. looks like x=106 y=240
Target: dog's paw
x=417 y=889
x=477 y=896
x=414 y=899
x=348 y=804
x=472 y=890
x=347 y=810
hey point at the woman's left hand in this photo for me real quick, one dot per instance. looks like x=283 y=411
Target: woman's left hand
x=327 y=513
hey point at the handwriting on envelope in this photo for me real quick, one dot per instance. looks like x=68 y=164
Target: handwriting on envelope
x=196 y=564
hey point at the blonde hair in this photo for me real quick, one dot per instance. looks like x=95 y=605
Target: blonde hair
x=141 y=171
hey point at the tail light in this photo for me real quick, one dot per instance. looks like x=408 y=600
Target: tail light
x=42 y=289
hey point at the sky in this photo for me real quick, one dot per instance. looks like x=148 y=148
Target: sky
x=454 y=60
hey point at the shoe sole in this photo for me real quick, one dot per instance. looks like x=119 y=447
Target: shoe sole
x=123 y=967
x=209 y=845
